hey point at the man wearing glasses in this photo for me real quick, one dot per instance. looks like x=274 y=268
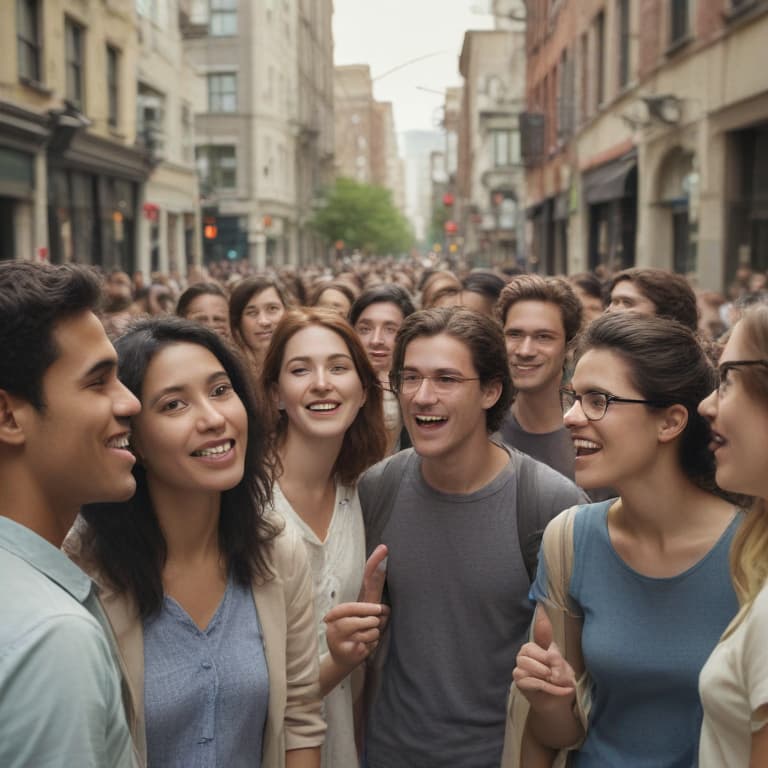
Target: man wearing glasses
x=456 y=578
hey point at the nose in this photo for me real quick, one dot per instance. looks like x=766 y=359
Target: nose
x=126 y=404
x=377 y=337
x=526 y=346
x=708 y=406
x=425 y=393
x=210 y=417
x=574 y=416
x=320 y=379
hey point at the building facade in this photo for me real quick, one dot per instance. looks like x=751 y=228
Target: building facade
x=490 y=180
x=366 y=141
x=646 y=136
x=71 y=175
x=169 y=232
x=261 y=103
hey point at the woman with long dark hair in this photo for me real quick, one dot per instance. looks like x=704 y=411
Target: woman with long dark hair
x=211 y=601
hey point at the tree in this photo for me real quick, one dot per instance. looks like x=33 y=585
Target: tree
x=364 y=217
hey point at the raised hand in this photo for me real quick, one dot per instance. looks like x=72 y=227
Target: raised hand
x=542 y=672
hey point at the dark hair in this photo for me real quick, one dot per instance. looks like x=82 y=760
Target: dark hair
x=34 y=298
x=589 y=283
x=380 y=294
x=670 y=293
x=554 y=290
x=479 y=333
x=321 y=288
x=125 y=539
x=668 y=365
x=365 y=442
x=485 y=283
x=241 y=295
x=195 y=290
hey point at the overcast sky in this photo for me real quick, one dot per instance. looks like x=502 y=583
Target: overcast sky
x=387 y=33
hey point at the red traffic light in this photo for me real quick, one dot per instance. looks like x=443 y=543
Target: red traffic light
x=450 y=227
x=448 y=200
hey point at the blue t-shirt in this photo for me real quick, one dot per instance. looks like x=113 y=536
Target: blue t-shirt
x=644 y=642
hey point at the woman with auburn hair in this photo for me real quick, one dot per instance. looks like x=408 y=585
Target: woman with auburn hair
x=330 y=429
x=209 y=598
x=256 y=305
x=648 y=594
x=734 y=681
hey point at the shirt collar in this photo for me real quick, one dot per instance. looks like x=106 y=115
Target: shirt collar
x=44 y=557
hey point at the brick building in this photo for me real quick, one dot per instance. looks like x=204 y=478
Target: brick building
x=646 y=135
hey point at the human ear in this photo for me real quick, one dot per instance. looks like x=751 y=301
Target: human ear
x=673 y=423
x=490 y=393
x=11 y=418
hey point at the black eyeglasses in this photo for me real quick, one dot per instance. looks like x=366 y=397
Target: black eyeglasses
x=724 y=368
x=595 y=404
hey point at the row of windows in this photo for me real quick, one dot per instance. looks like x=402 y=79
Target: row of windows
x=30 y=54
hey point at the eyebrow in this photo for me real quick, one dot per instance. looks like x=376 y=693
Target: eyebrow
x=181 y=387
x=102 y=366
x=308 y=358
x=436 y=372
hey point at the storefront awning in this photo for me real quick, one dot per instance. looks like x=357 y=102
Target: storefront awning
x=609 y=181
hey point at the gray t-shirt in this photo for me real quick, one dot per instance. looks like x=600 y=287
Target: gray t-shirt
x=460 y=611
x=552 y=448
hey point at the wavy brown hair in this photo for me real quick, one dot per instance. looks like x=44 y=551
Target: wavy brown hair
x=365 y=442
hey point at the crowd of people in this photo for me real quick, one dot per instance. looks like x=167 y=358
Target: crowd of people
x=383 y=514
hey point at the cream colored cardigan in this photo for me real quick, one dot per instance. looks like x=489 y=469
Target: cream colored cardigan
x=286 y=614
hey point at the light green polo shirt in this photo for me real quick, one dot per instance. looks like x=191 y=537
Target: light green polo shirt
x=60 y=699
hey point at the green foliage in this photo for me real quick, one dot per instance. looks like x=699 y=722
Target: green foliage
x=364 y=217
x=440 y=214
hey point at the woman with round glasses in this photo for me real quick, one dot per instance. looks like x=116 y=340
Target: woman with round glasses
x=734 y=681
x=648 y=594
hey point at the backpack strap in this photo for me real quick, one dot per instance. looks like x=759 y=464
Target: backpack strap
x=380 y=502
x=528 y=532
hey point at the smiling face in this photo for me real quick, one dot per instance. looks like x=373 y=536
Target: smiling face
x=623 y=444
x=260 y=316
x=212 y=311
x=191 y=434
x=77 y=445
x=377 y=327
x=448 y=425
x=331 y=298
x=739 y=423
x=535 y=341
x=626 y=297
x=319 y=387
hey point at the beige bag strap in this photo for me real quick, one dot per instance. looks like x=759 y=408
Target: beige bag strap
x=557 y=554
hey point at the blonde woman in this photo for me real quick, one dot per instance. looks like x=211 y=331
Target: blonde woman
x=734 y=681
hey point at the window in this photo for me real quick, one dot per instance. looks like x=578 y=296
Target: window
x=113 y=89
x=74 y=35
x=599 y=59
x=222 y=93
x=223 y=18
x=584 y=94
x=678 y=21
x=217 y=166
x=505 y=148
x=624 y=42
x=28 y=39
